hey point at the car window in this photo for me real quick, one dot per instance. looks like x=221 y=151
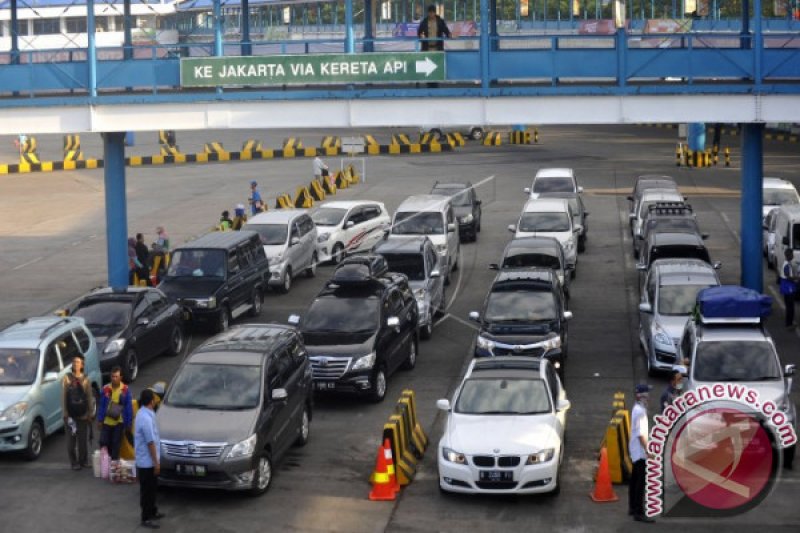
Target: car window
x=419 y=223
x=67 y=348
x=552 y=382
x=545 y=222
x=142 y=309
x=501 y=396
x=156 y=301
x=651 y=287
x=19 y=366
x=356 y=216
x=285 y=365
x=297 y=352
x=51 y=362
x=678 y=300
x=233 y=262
x=269 y=234
x=450 y=217
x=273 y=375
x=553 y=185
x=371 y=212
x=306 y=224
x=197 y=263
x=216 y=386
x=686 y=345
x=412 y=265
x=83 y=339
x=736 y=361
x=795 y=242
x=295 y=230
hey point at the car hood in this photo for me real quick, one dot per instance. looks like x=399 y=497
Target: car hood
x=189 y=287
x=511 y=435
x=561 y=236
x=517 y=333
x=339 y=344
x=436 y=238
x=180 y=423
x=274 y=250
x=11 y=394
x=462 y=210
x=673 y=325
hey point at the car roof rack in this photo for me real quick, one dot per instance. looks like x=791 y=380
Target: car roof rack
x=373 y=264
x=670 y=208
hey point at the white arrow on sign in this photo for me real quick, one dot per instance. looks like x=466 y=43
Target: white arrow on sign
x=426 y=66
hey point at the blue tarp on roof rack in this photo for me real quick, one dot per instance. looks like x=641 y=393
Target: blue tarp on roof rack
x=733 y=301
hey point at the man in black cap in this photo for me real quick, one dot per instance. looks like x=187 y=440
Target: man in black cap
x=432 y=30
x=637 y=448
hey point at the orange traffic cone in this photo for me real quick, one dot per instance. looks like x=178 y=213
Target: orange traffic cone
x=382 y=488
x=387 y=454
x=603 y=491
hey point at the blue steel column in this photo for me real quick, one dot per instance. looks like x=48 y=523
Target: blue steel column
x=91 y=54
x=484 y=41
x=247 y=47
x=116 y=208
x=368 y=33
x=218 y=33
x=349 y=36
x=127 y=22
x=752 y=182
x=744 y=41
x=758 y=43
x=14 y=33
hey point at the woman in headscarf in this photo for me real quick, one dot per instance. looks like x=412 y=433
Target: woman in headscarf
x=133 y=262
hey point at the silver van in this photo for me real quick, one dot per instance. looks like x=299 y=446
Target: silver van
x=290 y=242
x=431 y=215
x=787 y=233
x=35 y=355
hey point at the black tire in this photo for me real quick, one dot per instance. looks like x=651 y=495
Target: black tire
x=427 y=330
x=337 y=254
x=223 y=320
x=455 y=265
x=574 y=273
x=286 y=286
x=311 y=271
x=411 y=360
x=256 y=301
x=378 y=385
x=788 y=457
x=476 y=134
x=442 y=309
x=305 y=428
x=130 y=366
x=35 y=441
x=175 y=340
x=582 y=246
x=263 y=468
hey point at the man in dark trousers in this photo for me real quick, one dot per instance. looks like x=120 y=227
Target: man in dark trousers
x=432 y=27
x=147 y=444
x=638 y=450
x=143 y=255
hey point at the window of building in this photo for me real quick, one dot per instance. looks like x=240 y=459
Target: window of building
x=78 y=24
x=46 y=26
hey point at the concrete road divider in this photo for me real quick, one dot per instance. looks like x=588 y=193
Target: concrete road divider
x=292 y=146
x=369 y=140
x=519 y=137
x=331 y=143
x=406 y=438
x=401 y=139
x=341 y=180
x=615 y=441
x=28 y=152
x=428 y=138
x=303 y=198
x=251 y=145
x=283 y=201
x=727 y=156
x=456 y=140
x=167 y=138
x=317 y=190
x=329 y=184
x=72 y=148
x=215 y=148
x=492 y=139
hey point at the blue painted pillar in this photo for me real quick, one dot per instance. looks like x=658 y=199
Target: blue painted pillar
x=368 y=20
x=744 y=41
x=495 y=44
x=247 y=47
x=349 y=36
x=622 y=57
x=696 y=136
x=14 y=33
x=758 y=42
x=752 y=182
x=127 y=23
x=217 y=28
x=91 y=53
x=116 y=208
x=484 y=42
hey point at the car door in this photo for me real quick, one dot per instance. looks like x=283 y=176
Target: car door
x=435 y=285
x=295 y=251
x=238 y=290
x=247 y=264
x=282 y=362
x=374 y=224
x=308 y=238
x=353 y=230
x=452 y=236
x=648 y=296
x=52 y=390
x=399 y=344
x=554 y=384
x=273 y=413
x=162 y=321
x=291 y=371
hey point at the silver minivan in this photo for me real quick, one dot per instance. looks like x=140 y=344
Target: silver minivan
x=290 y=242
x=431 y=215
x=35 y=355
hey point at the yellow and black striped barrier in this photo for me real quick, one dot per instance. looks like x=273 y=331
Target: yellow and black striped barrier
x=456 y=139
x=172 y=151
x=369 y=140
x=317 y=190
x=492 y=139
x=406 y=437
x=329 y=184
x=519 y=137
x=394 y=149
x=303 y=198
x=252 y=145
x=72 y=148
x=216 y=148
x=401 y=139
x=341 y=180
x=167 y=138
x=616 y=440
x=331 y=142
x=727 y=156
x=28 y=152
x=283 y=201
x=352 y=175
x=292 y=146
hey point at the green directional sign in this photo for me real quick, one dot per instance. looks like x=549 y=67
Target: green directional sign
x=312 y=69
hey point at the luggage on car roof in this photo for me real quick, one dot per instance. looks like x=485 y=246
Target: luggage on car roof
x=732 y=302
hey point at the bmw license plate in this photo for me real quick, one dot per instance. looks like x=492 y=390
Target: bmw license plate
x=496 y=475
x=324 y=385
x=191 y=470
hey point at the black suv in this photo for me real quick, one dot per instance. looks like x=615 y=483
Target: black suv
x=359 y=329
x=524 y=314
x=677 y=217
x=218 y=277
x=466 y=207
x=235 y=406
x=130 y=325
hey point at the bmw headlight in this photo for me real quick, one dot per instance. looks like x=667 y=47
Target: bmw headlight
x=322 y=237
x=660 y=336
x=115 y=346
x=485 y=344
x=364 y=362
x=541 y=457
x=244 y=448
x=14 y=412
x=552 y=343
x=466 y=219
x=453 y=456
x=206 y=303
x=275 y=260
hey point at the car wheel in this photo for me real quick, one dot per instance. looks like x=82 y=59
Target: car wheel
x=256 y=301
x=338 y=253
x=574 y=273
x=305 y=426
x=287 y=281
x=582 y=246
x=35 y=441
x=427 y=330
x=378 y=386
x=176 y=341
x=442 y=309
x=223 y=320
x=130 y=368
x=311 y=271
x=455 y=265
x=476 y=134
x=411 y=361
x=263 y=477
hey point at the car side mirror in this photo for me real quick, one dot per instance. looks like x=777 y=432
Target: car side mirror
x=293 y=320
x=279 y=395
x=704 y=236
x=512 y=228
x=785 y=241
x=349 y=224
x=143 y=322
x=630 y=198
x=567 y=315
x=578 y=228
x=580 y=189
x=443 y=404
x=393 y=322
x=645 y=307
x=631 y=216
x=563 y=405
x=494 y=266
x=478 y=202
x=641 y=267
x=527 y=190
x=789 y=370
x=717 y=265
x=474 y=316
x=434 y=274
x=49 y=377
x=451 y=228
x=295 y=241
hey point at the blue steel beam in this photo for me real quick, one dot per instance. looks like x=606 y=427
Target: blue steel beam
x=349 y=36
x=247 y=47
x=91 y=57
x=14 y=33
x=116 y=208
x=752 y=183
x=127 y=22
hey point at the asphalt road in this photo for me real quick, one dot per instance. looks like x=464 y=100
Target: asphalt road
x=52 y=241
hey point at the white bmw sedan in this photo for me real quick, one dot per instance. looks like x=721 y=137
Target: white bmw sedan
x=505 y=428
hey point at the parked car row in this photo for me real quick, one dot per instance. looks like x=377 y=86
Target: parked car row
x=781 y=222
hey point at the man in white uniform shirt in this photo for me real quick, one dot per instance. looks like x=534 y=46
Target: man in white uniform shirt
x=637 y=447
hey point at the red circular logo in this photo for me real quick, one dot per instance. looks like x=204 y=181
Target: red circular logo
x=722 y=458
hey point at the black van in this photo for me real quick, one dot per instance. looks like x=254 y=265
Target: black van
x=218 y=277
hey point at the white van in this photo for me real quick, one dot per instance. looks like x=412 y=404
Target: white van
x=431 y=215
x=553 y=180
x=787 y=232
x=550 y=217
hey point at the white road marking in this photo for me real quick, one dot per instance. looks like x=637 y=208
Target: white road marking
x=32 y=261
x=457 y=319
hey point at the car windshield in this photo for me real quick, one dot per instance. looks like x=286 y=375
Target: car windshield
x=553 y=185
x=326 y=216
x=101 y=315
x=520 y=305
x=420 y=223
x=528 y=260
x=678 y=300
x=736 y=361
x=216 y=386
x=460 y=196
x=271 y=234
x=503 y=396
x=681 y=225
x=780 y=197
x=679 y=251
x=412 y=265
x=18 y=366
x=544 y=222
x=197 y=263
x=341 y=315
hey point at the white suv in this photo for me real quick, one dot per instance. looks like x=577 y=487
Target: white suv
x=348 y=227
x=550 y=217
x=554 y=180
x=777 y=192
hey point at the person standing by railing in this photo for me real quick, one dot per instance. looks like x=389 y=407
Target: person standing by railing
x=432 y=31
